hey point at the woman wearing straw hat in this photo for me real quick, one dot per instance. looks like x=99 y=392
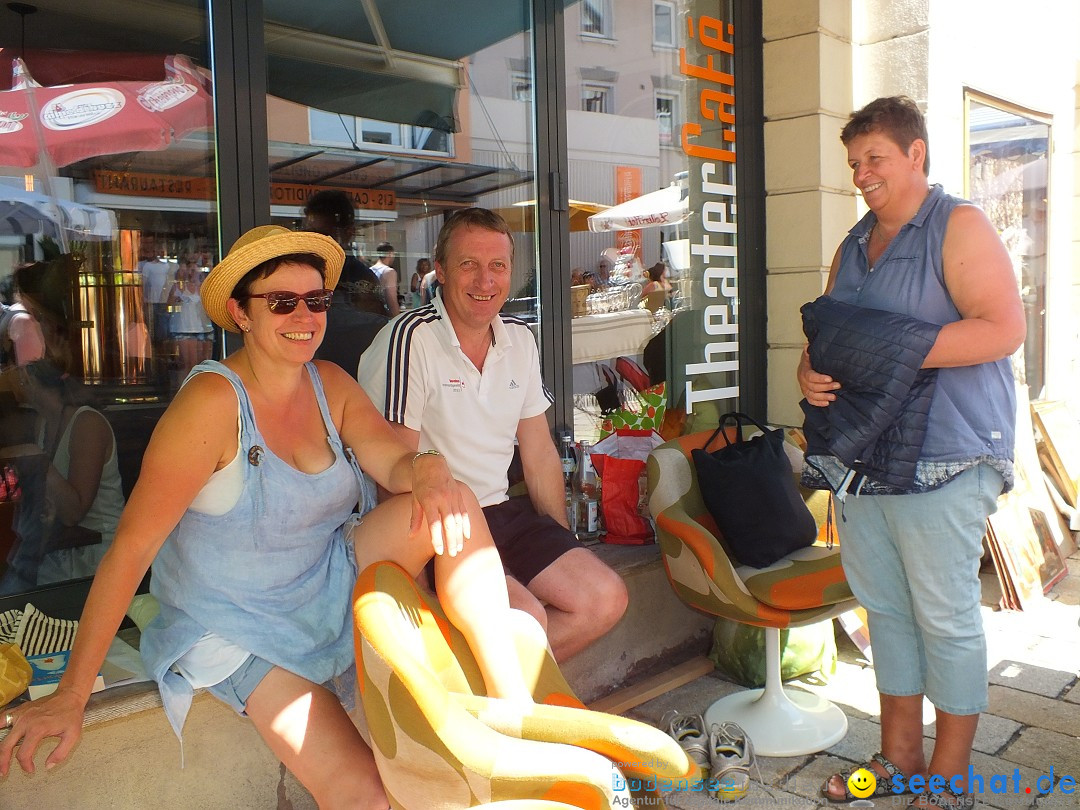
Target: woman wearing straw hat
x=246 y=506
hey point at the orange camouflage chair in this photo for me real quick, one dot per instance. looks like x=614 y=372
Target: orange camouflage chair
x=440 y=743
x=804 y=587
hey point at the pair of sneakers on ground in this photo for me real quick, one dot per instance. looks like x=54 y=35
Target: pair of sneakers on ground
x=724 y=753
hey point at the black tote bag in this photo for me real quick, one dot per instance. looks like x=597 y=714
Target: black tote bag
x=750 y=491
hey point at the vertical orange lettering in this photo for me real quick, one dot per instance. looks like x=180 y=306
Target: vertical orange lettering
x=693 y=130
x=708 y=73
x=722 y=100
x=716 y=39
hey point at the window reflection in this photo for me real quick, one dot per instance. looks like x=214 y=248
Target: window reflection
x=107 y=225
x=596 y=17
x=1008 y=161
x=664 y=23
x=448 y=125
x=624 y=146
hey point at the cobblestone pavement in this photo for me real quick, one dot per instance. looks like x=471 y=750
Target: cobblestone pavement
x=1030 y=731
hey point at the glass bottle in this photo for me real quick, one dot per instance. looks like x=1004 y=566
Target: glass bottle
x=568 y=454
x=587 y=495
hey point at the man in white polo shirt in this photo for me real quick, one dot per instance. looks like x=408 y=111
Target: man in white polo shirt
x=458 y=377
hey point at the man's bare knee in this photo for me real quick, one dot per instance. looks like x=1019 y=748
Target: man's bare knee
x=609 y=599
x=522 y=599
x=580 y=583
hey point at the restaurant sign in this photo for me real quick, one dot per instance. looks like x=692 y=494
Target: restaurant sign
x=708 y=141
x=628 y=187
x=363 y=198
x=147 y=184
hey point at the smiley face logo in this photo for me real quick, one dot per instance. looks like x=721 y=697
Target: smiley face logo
x=862 y=783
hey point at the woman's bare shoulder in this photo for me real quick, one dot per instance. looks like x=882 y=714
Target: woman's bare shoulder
x=209 y=398
x=343 y=392
x=336 y=381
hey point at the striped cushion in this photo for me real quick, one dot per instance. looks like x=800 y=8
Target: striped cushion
x=39 y=634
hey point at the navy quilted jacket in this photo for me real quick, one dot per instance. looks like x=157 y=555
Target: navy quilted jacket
x=877 y=424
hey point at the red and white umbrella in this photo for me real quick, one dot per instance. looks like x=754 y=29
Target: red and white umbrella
x=67 y=123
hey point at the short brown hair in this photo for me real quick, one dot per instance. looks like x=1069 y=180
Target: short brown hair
x=471 y=218
x=898 y=117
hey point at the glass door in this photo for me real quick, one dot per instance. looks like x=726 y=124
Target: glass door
x=1006 y=174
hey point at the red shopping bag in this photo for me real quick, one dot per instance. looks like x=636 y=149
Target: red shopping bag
x=620 y=462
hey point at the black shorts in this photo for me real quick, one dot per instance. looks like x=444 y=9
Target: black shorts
x=528 y=542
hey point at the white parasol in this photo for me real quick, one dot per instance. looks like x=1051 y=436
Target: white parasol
x=26 y=212
x=668 y=206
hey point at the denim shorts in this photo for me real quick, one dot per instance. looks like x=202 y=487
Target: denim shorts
x=235 y=690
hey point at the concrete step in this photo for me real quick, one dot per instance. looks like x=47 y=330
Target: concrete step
x=657 y=632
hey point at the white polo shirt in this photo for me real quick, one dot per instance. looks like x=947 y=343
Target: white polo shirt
x=417 y=374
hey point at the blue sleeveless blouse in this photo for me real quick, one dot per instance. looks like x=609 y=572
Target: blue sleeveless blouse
x=973 y=412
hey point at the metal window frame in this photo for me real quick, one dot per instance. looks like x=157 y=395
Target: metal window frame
x=553 y=207
x=750 y=199
x=238 y=59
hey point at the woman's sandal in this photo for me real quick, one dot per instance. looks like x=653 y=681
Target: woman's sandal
x=884 y=786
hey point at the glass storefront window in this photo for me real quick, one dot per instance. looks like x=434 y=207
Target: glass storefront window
x=1007 y=170
x=433 y=125
x=108 y=223
x=656 y=282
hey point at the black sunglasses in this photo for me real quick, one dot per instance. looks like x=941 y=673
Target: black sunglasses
x=282 y=302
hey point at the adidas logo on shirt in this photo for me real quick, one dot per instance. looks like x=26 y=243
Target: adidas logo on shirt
x=513 y=385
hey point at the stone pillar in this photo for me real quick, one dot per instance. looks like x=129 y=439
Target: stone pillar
x=809 y=199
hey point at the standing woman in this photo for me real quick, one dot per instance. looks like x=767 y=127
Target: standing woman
x=189 y=325
x=245 y=505
x=423 y=267
x=912 y=555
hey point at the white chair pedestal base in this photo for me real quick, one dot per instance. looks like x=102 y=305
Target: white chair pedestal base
x=780 y=722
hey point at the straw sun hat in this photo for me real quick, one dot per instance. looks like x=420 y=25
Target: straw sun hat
x=252 y=249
